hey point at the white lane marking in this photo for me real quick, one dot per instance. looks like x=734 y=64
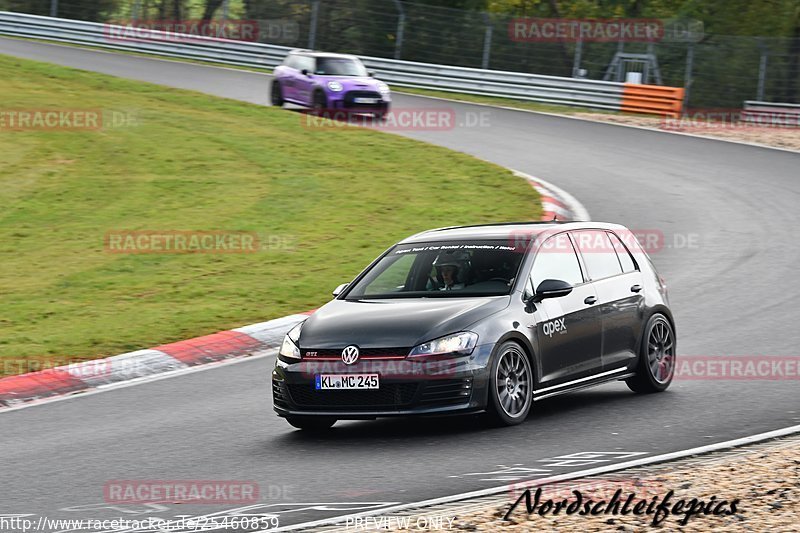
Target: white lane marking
x=561 y=477
x=145 y=379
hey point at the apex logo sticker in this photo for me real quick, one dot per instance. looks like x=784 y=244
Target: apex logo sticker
x=554 y=326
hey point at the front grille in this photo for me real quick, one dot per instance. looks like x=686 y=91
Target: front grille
x=390 y=395
x=350 y=95
x=446 y=392
x=279 y=394
x=365 y=353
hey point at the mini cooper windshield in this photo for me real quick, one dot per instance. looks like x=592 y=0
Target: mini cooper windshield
x=441 y=269
x=340 y=66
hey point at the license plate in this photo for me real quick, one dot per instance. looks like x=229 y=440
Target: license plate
x=365 y=100
x=346 y=381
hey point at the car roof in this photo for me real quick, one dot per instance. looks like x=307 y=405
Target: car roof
x=505 y=231
x=312 y=53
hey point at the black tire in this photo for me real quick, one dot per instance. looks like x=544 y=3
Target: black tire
x=311 y=423
x=656 y=366
x=320 y=103
x=276 y=95
x=510 y=386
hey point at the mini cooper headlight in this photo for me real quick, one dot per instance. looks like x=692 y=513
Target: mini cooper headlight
x=457 y=344
x=383 y=88
x=289 y=349
x=335 y=86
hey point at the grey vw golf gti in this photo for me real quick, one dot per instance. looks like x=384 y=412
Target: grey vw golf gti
x=480 y=318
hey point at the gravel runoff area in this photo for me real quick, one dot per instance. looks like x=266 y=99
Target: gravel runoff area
x=777 y=137
x=764 y=478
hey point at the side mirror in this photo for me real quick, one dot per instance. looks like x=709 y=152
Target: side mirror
x=551 y=288
x=371 y=73
x=304 y=72
x=340 y=289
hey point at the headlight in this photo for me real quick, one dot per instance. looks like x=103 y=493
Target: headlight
x=383 y=88
x=456 y=344
x=335 y=86
x=289 y=349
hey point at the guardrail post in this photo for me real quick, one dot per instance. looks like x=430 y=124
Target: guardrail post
x=401 y=28
x=487 y=41
x=312 y=27
x=576 y=63
x=762 y=71
x=53 y=8
x=687 y=78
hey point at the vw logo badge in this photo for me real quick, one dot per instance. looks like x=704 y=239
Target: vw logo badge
x=350 y=354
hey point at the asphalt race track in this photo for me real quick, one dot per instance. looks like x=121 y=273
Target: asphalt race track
x=734 y=292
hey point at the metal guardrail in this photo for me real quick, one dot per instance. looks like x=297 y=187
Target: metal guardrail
x=771 y=114
x=521 y=86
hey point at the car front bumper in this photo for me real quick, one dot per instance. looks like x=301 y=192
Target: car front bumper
x=451 y=386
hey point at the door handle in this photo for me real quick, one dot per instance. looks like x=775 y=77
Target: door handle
x=590 y=300
x=636 y=288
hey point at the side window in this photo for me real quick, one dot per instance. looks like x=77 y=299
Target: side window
x=556 y=259
x=598 y=254
x=305 y=62
x=622 y=253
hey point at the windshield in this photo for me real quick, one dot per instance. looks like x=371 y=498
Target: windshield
x=442 y=269
x=340 y=66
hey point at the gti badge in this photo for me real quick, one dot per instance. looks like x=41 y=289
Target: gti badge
x=350 y=354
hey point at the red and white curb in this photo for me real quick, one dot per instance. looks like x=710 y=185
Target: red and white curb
x=557 y=204
x=262 y=338
x=247 y=341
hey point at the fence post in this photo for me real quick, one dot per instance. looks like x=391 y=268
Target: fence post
x=576 y=63
x=487 y=41
x=312 y=27
x=53 y=8
x=225 y=5
x=762 y=71
x=687 y=78
x=401 y=28
x=137 y=7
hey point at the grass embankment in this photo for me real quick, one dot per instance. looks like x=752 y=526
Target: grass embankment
x=325 y=201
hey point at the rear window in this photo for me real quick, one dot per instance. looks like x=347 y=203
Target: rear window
x=442 y=269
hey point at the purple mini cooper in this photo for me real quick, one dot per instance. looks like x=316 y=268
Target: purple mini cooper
x=329 y=82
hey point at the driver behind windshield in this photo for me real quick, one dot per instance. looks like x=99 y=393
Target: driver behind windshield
x=451 y=267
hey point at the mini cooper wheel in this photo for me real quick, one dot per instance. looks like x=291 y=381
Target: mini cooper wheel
x=276 y=95
x=311 y=423
x=656 y=357
x=511 y=386
x=320 y=103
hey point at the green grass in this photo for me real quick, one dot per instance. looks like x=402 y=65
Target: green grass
x=195 y=162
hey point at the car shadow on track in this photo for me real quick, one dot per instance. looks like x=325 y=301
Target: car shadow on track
x=580 y=404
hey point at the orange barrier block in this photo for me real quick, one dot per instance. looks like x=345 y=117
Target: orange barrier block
x=652 y=100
